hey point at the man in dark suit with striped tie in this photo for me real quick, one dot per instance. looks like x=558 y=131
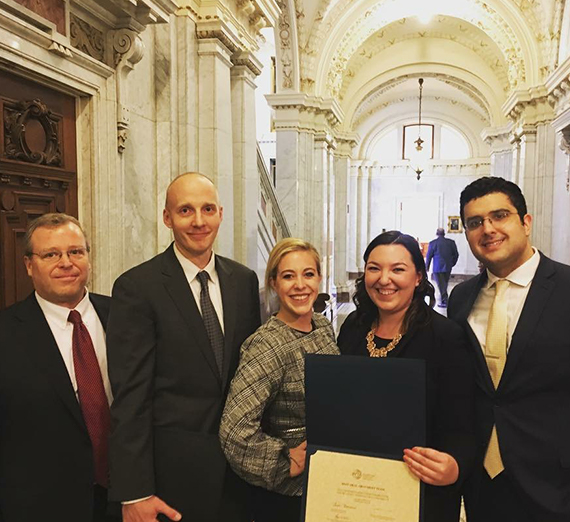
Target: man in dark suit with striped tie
x=175 y=329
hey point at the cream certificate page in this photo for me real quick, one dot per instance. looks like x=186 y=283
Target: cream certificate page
x=355 y=488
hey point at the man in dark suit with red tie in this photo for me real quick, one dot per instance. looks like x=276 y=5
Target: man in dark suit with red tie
x=516 y=315
x=175 y=329
x=54 y=388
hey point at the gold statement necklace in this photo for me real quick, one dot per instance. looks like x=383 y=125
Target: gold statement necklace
x=380 y=352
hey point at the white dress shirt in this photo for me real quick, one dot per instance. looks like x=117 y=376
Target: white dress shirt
x=62 y=331
x=520 y=280
x=191 y=273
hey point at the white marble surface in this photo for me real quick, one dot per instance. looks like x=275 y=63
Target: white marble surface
x=246 y=177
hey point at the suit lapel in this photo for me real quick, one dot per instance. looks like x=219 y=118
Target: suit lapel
x=229 y=302
x=45 y=353
x=101 y=305
x=540 y=290
x=483 y=375
x=177 y=286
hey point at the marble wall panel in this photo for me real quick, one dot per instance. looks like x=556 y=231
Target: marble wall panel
x=560 y=237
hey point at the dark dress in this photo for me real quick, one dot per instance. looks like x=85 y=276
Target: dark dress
x=450 y=397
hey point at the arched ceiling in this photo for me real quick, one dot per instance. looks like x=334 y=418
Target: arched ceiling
x=368 y=54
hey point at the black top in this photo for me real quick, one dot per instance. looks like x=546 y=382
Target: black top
x=450 y=397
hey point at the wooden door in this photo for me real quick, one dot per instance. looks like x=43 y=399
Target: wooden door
x=38 y=170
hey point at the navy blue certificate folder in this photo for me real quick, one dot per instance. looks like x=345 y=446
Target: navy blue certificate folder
x=367 y=406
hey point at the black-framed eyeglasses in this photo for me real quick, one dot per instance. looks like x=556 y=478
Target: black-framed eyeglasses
x=496 y=218
x=54 y=256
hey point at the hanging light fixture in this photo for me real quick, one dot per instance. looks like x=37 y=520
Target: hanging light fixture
x=418 y=168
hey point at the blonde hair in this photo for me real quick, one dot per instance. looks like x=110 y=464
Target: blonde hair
x=280 y=250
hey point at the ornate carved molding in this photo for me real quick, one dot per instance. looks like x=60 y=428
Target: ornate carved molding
x=128 y=50
x=305 y=113
x=86 y=38
x=17 y=118
x=248 y=60
x=565 y=147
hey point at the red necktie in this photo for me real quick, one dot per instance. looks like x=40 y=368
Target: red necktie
x=92 y=397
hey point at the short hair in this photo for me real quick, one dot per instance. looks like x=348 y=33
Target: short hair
x=281 y=249
x=51 y=220
x=197 y=174
x=440 y=232
x=490 y=185
x=417 y=313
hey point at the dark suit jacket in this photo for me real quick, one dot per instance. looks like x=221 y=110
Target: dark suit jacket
x=168 y=392
x=531 y=406
x=444 y=253
x=46 y=462
x=450 y=389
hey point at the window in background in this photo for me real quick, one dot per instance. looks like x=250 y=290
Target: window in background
x=453 y=145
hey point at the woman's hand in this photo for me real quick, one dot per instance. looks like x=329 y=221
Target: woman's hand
x=432 y=466
x=297 y=459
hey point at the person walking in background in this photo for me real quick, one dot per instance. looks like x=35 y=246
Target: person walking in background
x=444 y=253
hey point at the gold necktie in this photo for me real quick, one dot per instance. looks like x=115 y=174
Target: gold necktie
x=496 y=356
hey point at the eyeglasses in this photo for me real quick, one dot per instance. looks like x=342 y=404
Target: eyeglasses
x=54 y=256
x=496 y=218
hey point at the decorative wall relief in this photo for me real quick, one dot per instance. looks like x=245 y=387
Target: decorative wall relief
x=128 y=50
x=565 y=147
x=86 y=38
x=32 y=133
x=285 y=43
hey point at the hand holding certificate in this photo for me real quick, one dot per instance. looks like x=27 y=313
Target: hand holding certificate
x=343 y=420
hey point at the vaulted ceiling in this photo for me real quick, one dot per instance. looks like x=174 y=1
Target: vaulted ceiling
x=368 y=55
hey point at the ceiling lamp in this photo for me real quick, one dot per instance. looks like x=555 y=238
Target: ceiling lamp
x=419 y=157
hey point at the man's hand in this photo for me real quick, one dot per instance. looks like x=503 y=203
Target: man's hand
x=147 y=511
x=432 y=466
x=297 y=458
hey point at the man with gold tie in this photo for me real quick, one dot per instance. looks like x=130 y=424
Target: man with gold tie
x=516 y=314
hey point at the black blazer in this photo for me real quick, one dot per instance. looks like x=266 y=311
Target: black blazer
x=168 y=392
x=531 y=406
x=450 y=407
x=46 y=462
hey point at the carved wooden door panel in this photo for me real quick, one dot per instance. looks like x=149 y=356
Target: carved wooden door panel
x=38 y=170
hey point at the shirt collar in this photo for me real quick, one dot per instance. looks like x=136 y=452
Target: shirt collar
x=58 y=314
x=191 y=270
x=521 y=276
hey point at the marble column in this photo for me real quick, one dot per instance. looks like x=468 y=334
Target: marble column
x=215 y=141
x=363 y=214
x=246 y=176
x=319 y=203
x=341 y=167
x=536 y=180
x=352 y=211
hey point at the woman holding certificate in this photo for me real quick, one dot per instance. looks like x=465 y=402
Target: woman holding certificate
x=263 y=425
x=392 y=319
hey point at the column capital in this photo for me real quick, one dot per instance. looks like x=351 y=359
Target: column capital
x=237 y=24
x=299 y=111
x=248 y=60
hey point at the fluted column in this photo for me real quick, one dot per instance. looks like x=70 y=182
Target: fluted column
x=215 y=141
x=246 y=176
x=363 y=210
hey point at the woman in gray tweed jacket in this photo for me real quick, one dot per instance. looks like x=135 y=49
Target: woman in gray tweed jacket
x=263 y=424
